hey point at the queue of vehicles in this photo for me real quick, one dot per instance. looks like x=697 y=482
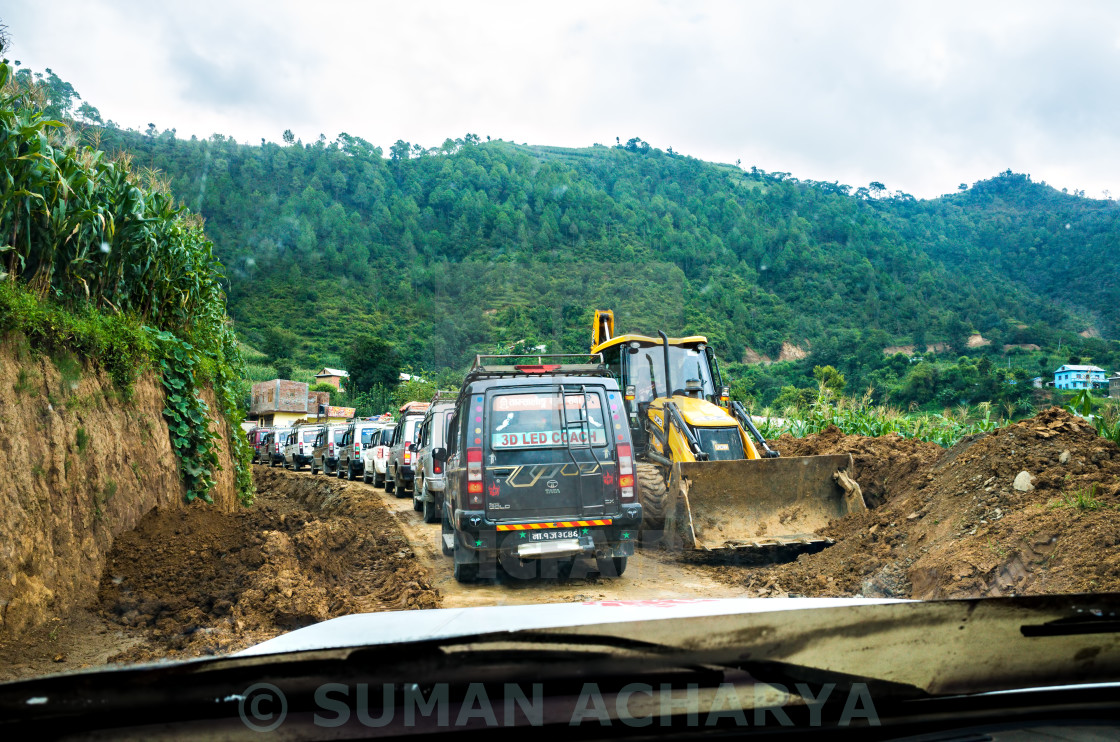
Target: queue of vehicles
x=523 y=465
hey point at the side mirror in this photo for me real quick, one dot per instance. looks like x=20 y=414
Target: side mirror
x=414 y=447
x=439 y=454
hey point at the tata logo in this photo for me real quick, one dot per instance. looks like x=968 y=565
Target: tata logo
x=552 y=484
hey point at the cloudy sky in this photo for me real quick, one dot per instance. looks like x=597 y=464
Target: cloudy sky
x=918 y=95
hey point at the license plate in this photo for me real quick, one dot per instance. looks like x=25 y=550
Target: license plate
x=552 y=535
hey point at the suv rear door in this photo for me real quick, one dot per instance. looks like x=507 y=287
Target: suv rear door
x=549 y=452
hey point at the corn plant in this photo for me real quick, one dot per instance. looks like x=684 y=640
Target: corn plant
x=85 y=232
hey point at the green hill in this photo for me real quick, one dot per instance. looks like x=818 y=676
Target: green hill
x=476 y=245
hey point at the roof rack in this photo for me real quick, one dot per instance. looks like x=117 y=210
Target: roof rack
x=414 y=406
x=445 y=394
x=554 y=364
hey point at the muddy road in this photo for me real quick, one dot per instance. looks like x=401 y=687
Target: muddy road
x=190 y=582
x=651 y=575
x=1028 y=509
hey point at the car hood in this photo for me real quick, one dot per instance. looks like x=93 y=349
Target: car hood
x=363 y=629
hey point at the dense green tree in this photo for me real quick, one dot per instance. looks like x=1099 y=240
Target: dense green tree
x=372 y=362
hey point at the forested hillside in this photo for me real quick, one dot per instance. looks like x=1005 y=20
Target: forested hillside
x=476 y=245
x=494 y=242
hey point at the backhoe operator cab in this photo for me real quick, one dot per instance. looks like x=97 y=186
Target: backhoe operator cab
x=540 y=469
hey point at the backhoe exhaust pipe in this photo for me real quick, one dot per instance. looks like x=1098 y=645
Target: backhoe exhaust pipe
x=665 y=348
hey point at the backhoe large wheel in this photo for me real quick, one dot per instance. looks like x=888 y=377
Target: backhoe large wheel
x=653 y=493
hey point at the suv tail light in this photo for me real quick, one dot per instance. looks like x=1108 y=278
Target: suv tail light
x=474 y=475
x=408 y=453
x=437 y=466
x=626 y=472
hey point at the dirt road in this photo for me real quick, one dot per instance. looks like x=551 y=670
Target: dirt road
x=649 y=576
x=1027 y=509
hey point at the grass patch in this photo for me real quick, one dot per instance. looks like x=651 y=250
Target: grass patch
x=81 y=438
x=1082 y=498
x=25 y=384
x=69 y=370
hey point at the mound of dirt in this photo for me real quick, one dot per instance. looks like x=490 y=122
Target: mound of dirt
x=199 y=581
x=882 y=465
x=1027 y=509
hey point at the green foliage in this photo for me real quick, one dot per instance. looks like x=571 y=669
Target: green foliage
x=371 y=362
x=860 y=417
x=187 y=415
x=1082 y=498
x=473 y=246
x=24 y=384
x=100 y=252
x=115 y=342
x=81 y=439
x=830 y=379
x=284 y=368
x=412 y=390
x=324 y=386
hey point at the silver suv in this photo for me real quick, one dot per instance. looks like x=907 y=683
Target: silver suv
x=274 y=448
x=358 y=436
x=299 y=445
x=376 y=455
x=324 y=455
x=427 y=493
x=399 y=470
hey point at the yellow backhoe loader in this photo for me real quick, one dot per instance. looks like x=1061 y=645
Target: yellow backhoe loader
x=706 y=476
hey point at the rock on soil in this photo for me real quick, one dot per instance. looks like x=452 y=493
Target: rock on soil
x=198 y=581
x=954 y=525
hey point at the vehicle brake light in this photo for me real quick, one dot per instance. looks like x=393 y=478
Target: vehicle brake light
x=537 y=368
x=407 y=453
x=474 y=475
x=626 y=472
x=625 y=459
x=437 y=467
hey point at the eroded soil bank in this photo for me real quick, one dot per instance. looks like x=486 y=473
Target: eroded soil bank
x=953 y=524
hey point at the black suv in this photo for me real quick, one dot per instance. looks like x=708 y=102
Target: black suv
x=540 y=469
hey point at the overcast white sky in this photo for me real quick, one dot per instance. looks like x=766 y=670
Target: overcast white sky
x=918 y=95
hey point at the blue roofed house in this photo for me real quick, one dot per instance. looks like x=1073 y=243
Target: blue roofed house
x=1080 y=377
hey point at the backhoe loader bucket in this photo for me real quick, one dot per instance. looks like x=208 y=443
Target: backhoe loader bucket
x=761 y=503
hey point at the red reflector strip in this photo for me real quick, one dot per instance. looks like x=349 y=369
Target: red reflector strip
x=557 y=524
x=537 y=368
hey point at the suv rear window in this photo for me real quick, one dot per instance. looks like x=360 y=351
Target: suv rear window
x=309 y=436
x=338 y=435
x=409 y=431
x=367 y=435
x=534 y=420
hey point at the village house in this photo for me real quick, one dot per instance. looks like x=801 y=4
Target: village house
x=281 y=402
x=1114 y=386
x=1080 y=377
x=332 y=376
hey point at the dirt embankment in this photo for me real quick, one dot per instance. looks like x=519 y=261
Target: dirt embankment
x=199 y=581
x=81 y=466
x=957 y=525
